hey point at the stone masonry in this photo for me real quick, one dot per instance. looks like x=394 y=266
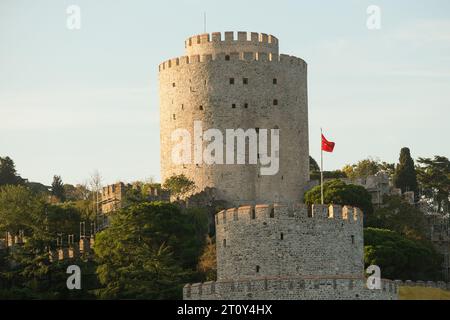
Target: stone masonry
x=290 y=252
x=231 y=83
x=281 y=249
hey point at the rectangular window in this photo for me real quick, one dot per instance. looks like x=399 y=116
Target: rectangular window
x=245 y=105
x=245 y=80
x=233 y=105
x=231 y=80
x=275 y=81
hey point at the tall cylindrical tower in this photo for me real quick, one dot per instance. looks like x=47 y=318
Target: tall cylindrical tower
x=237 y=83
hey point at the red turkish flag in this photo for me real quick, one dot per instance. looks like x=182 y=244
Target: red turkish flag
x=327 y=146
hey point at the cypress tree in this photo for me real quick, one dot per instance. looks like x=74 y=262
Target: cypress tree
x=405 y=173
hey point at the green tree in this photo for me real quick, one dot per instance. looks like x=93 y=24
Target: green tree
x=207 y=263
x=389 y=168
x=76 y=193
x=405 y=174
x=179 y=185
x=63 y=218
x=313 y=166
x=25 y=270
x=8 y=174
x=399 y=216
x=38 y=188
x=336 y=174
x=362 y=169
x=338 y=192
x=58 y=188
x=434 y=178
x=148 y=251
x=399 y=257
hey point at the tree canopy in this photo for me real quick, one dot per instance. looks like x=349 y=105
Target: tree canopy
x=405 y=173
x=179 y=185
x=8 y=173
x=398 y=215
x=338 y=192
x=58 y=188
x=399 y=257
x=148 y=250
x=434 y=178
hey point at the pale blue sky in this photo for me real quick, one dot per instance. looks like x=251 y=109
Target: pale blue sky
x=372 y=91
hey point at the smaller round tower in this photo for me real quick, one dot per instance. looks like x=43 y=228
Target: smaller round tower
x=276 y=252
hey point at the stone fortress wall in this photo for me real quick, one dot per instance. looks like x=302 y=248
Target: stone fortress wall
x=236 y=83
x=280 y=251
x=290 y=252
x=300 y=288
x=287 y=241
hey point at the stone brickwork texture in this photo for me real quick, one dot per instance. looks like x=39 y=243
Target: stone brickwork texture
x=197 y=87
x=281 y=249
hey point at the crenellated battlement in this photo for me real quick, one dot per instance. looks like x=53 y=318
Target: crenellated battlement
x=293 y=212
x=231 y=41
x=230 y=36
x=343 y=287
x=233 y=56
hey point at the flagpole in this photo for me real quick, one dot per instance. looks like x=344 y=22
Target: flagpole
x=321 y=167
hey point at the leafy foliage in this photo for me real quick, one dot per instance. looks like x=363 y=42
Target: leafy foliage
x=148 y=251
x=313 y=166
x=25 y=270
x=58 y=188
x=8 y=173
x=208 y=263
x=399 y=216
x=338 y=192
x=362 y=169
x=434 y=178
x=179 y=185
x=399 y=257
x=405 y=174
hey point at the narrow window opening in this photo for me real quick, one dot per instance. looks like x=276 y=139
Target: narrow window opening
x=182 y=107
x=257 y=269
x=200 y=107
x=353 y=239
x=245 y=80
x=275 y=102
x=281 y=236
x=231 y=80
x=174 y=117
x=233 y=105
x=272 y=213
x=253 y=214
x=224 y=243
x=245 y=105
x=173 y=84
x=227 y=58
x=275 y=81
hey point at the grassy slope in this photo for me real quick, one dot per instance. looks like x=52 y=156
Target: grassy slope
x=421 y=293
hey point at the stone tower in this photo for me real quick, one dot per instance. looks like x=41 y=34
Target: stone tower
x=290 y=252
x=238 y=82
x=269 y=246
